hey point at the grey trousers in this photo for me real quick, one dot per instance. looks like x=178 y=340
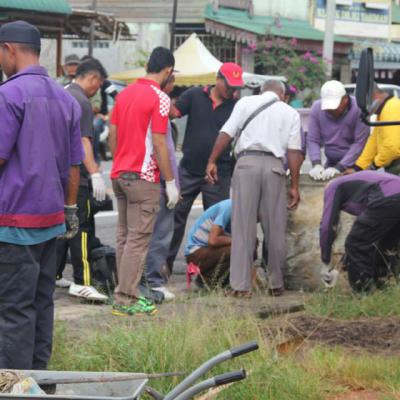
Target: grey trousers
x=27 y=282
x=258 y=194
x=191 y=186
x=159 y=244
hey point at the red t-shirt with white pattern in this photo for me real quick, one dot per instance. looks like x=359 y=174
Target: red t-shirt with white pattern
x=140 y=110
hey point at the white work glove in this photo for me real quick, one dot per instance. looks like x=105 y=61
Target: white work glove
x=329 y=277
x=172 y=194
x=330 y=173
x=316 y=172
x=99 y=186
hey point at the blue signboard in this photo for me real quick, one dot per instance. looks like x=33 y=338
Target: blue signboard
x=357 y=12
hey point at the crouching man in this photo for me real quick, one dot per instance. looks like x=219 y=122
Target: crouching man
x=370 y=246
x=209 y=243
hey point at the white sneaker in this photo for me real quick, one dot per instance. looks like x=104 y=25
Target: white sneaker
x=168 y=296
x=86 y=292
x=63 y=283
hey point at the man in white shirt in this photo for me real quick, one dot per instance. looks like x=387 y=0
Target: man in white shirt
x=259 y=181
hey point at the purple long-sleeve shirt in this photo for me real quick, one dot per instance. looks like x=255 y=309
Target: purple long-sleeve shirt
x=40 y=140
x=343 y=138
x=352 y=193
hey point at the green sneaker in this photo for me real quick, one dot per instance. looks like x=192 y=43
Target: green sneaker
x=141 y=307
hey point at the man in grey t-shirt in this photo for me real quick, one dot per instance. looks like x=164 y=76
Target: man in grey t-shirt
x=90 y=76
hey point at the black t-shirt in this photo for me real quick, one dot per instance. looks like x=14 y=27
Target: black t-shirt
x=86 y=121
x=203 y=126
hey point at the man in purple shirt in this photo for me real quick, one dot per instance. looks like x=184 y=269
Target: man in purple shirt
x=40 y=153
x=334 y=124
x=371 y=245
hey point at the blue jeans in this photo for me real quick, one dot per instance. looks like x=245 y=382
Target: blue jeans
x=159 y=244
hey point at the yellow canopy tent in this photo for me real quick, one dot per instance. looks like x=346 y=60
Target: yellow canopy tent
x=194 y=63
x=195 y=66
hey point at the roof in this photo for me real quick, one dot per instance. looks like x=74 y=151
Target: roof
x=151 y=11
x=395 y=14
x=266 y=25
x=383 y=51
x=45 y=6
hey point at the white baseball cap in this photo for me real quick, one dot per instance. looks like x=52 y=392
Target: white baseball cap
x=332 y=93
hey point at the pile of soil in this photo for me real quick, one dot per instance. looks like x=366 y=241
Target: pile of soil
x=376 y=335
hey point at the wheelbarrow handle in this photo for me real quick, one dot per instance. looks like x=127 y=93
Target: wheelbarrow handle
x=243 y=349
x=205 y=367
x=219 y=380
x=230 y=377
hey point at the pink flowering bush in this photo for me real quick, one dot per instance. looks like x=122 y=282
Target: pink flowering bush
x=304 y=71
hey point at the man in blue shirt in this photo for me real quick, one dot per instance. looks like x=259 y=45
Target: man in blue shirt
x=209 y=243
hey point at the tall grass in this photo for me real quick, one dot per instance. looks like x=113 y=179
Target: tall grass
x=337 y=304
x=182 y=343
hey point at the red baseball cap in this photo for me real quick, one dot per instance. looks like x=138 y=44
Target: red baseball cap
x=233 y=74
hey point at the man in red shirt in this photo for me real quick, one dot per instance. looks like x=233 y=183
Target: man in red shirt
x=139 y=124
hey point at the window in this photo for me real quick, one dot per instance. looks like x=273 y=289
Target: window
x=83 y=44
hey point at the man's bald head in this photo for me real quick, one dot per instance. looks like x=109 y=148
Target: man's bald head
x=273 y=85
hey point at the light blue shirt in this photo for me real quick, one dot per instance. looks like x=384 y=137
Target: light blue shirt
x=29 y=236
x=219 y=214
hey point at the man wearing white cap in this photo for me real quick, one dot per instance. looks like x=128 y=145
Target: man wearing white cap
x=335 y=124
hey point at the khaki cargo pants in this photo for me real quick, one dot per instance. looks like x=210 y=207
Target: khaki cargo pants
x=138 y=205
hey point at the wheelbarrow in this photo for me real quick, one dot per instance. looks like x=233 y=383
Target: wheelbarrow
x=122 y=386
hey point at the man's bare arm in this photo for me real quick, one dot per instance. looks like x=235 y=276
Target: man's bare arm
x=217 y=237
x=112 y=139
x=89 y=162
x=295 y=159
x=220 y=145
x=174 y=112
x=71 y=194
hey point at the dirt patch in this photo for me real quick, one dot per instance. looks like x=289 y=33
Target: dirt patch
x=360 y=395
x=380 y=335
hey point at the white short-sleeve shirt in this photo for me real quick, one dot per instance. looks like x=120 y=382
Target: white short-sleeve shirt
x=274 y=130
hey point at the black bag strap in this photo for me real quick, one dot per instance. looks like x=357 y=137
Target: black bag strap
x=250 y=118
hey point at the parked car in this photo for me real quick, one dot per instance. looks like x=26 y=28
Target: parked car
x=393 y=90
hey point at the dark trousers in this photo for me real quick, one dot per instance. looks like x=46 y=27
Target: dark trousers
x=159 y=245
x=27 y=282
x=373 y=238
x=191 y=187
x=80 y=245
x=214 y=263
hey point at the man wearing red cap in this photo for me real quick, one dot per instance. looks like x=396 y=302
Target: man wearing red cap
x=207 y=110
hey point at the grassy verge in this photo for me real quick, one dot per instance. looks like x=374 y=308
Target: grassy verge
x=184 y=342
x=336 y=304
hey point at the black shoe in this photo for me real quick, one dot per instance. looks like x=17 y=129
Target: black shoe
x=276 y=292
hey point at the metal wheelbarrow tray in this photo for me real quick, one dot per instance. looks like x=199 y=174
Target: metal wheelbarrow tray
x=98 y=388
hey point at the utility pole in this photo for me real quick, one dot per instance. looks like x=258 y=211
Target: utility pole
x=327 y=52
x=173 y=24
x=92 y=29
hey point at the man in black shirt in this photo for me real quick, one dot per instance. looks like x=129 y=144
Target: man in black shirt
x=207 y=110
x=90 y=76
